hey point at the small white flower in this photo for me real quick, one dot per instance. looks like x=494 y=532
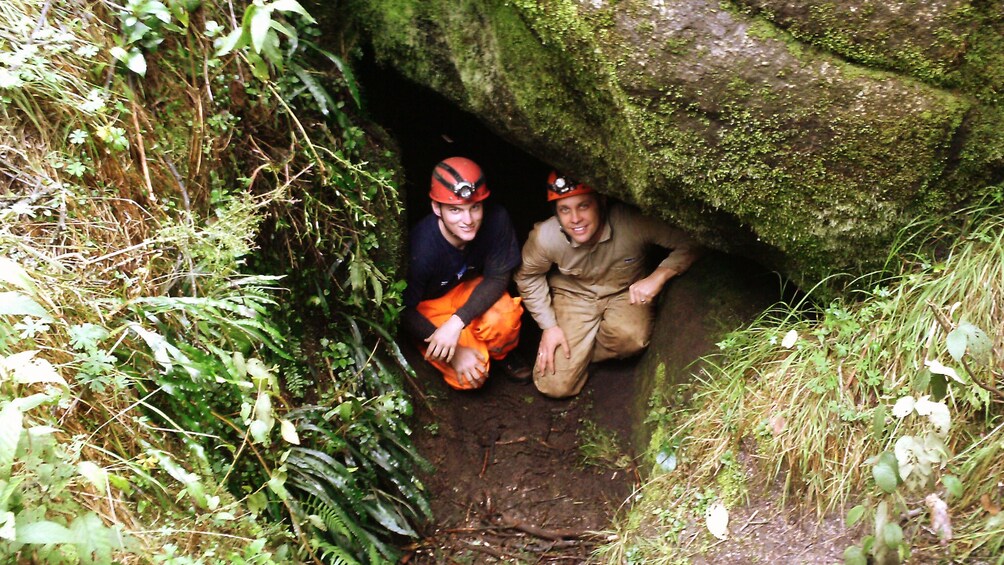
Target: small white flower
x=789 y=339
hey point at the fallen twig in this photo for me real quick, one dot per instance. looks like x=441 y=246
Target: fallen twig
x=751 y=518
x=553 y=535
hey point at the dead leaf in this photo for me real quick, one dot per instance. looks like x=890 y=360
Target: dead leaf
x=990 y=507
x=777 y=423
x=941 y=522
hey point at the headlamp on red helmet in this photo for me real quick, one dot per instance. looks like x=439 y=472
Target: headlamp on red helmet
x=559 y=186
x=458 y=180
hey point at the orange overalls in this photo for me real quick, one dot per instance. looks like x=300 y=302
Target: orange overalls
x=492 y=334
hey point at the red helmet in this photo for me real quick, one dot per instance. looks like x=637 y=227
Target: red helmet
x=559 y=187
x=458 y=180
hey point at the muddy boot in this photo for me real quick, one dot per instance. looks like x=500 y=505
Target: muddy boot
x=515 y=368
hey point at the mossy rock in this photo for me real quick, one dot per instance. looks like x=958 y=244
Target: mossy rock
x=801 y=138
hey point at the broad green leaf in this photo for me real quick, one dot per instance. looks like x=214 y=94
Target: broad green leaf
x=157 y=9
x=878 y=421
x=27 y=370
x=95 y=474
x=14 y=303
x=12 y=273
x=270 y=51
x=8 y=526
x=136 y=62
x=956 y=343
x=885 y=472
x=922 y=382
x=261 y=22
x=29 y=403
x=391 y=519
x=11 y=424
x=94 y=541
x=240 y=366
x=938 y=369
x=139 y=30
x=953 y=486
x=854 y=555
x=977 y=341
x=257 y=501
x=892 y=535
x=263 y=409
x=854 y=515
x=119 y=53
x=867 y=543
x=260 y=374
x=290 y=6
x=288 y=432
x=227 y=44
x=44 y=532
x=277 y=485
x=258 y=431
x=903 y=407
x=284 y=29
x=939 y=387
x=259 y=68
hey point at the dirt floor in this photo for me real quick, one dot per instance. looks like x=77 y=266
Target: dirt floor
x=510 y=484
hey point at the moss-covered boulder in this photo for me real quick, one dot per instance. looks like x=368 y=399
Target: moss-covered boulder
x=802 y=134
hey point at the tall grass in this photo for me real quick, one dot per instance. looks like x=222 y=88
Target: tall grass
x=813 y=411
x=145 y=340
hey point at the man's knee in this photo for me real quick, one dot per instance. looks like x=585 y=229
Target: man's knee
x=625 y=344
x=559 y=385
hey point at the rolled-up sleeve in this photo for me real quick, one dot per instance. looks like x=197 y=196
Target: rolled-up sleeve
x=684 y=250
x=531 y=278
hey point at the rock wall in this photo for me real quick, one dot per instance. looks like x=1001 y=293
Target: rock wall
x=801 y=134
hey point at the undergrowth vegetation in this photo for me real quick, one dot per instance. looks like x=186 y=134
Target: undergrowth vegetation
x=195 y=305
x=884 y=409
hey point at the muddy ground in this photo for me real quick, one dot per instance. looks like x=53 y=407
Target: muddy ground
x=511 y=484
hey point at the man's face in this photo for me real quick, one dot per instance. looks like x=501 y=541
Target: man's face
x=579 y=217
x=459 y=223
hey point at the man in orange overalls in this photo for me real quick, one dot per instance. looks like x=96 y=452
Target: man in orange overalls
x=461 y=261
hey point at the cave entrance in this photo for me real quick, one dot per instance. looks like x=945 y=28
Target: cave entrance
x=517 y=475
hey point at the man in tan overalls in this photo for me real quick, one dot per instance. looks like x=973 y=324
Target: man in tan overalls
x=597 y=304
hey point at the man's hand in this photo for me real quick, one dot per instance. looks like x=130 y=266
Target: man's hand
x=645 y=290
x=443 y=341
x=469 y=365
x=550 y=341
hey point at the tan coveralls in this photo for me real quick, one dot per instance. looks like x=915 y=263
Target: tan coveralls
x=587 y=295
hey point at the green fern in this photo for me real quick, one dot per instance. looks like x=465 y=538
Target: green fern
x=332 y=553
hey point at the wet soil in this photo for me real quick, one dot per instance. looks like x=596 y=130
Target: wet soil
x=510 y=484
